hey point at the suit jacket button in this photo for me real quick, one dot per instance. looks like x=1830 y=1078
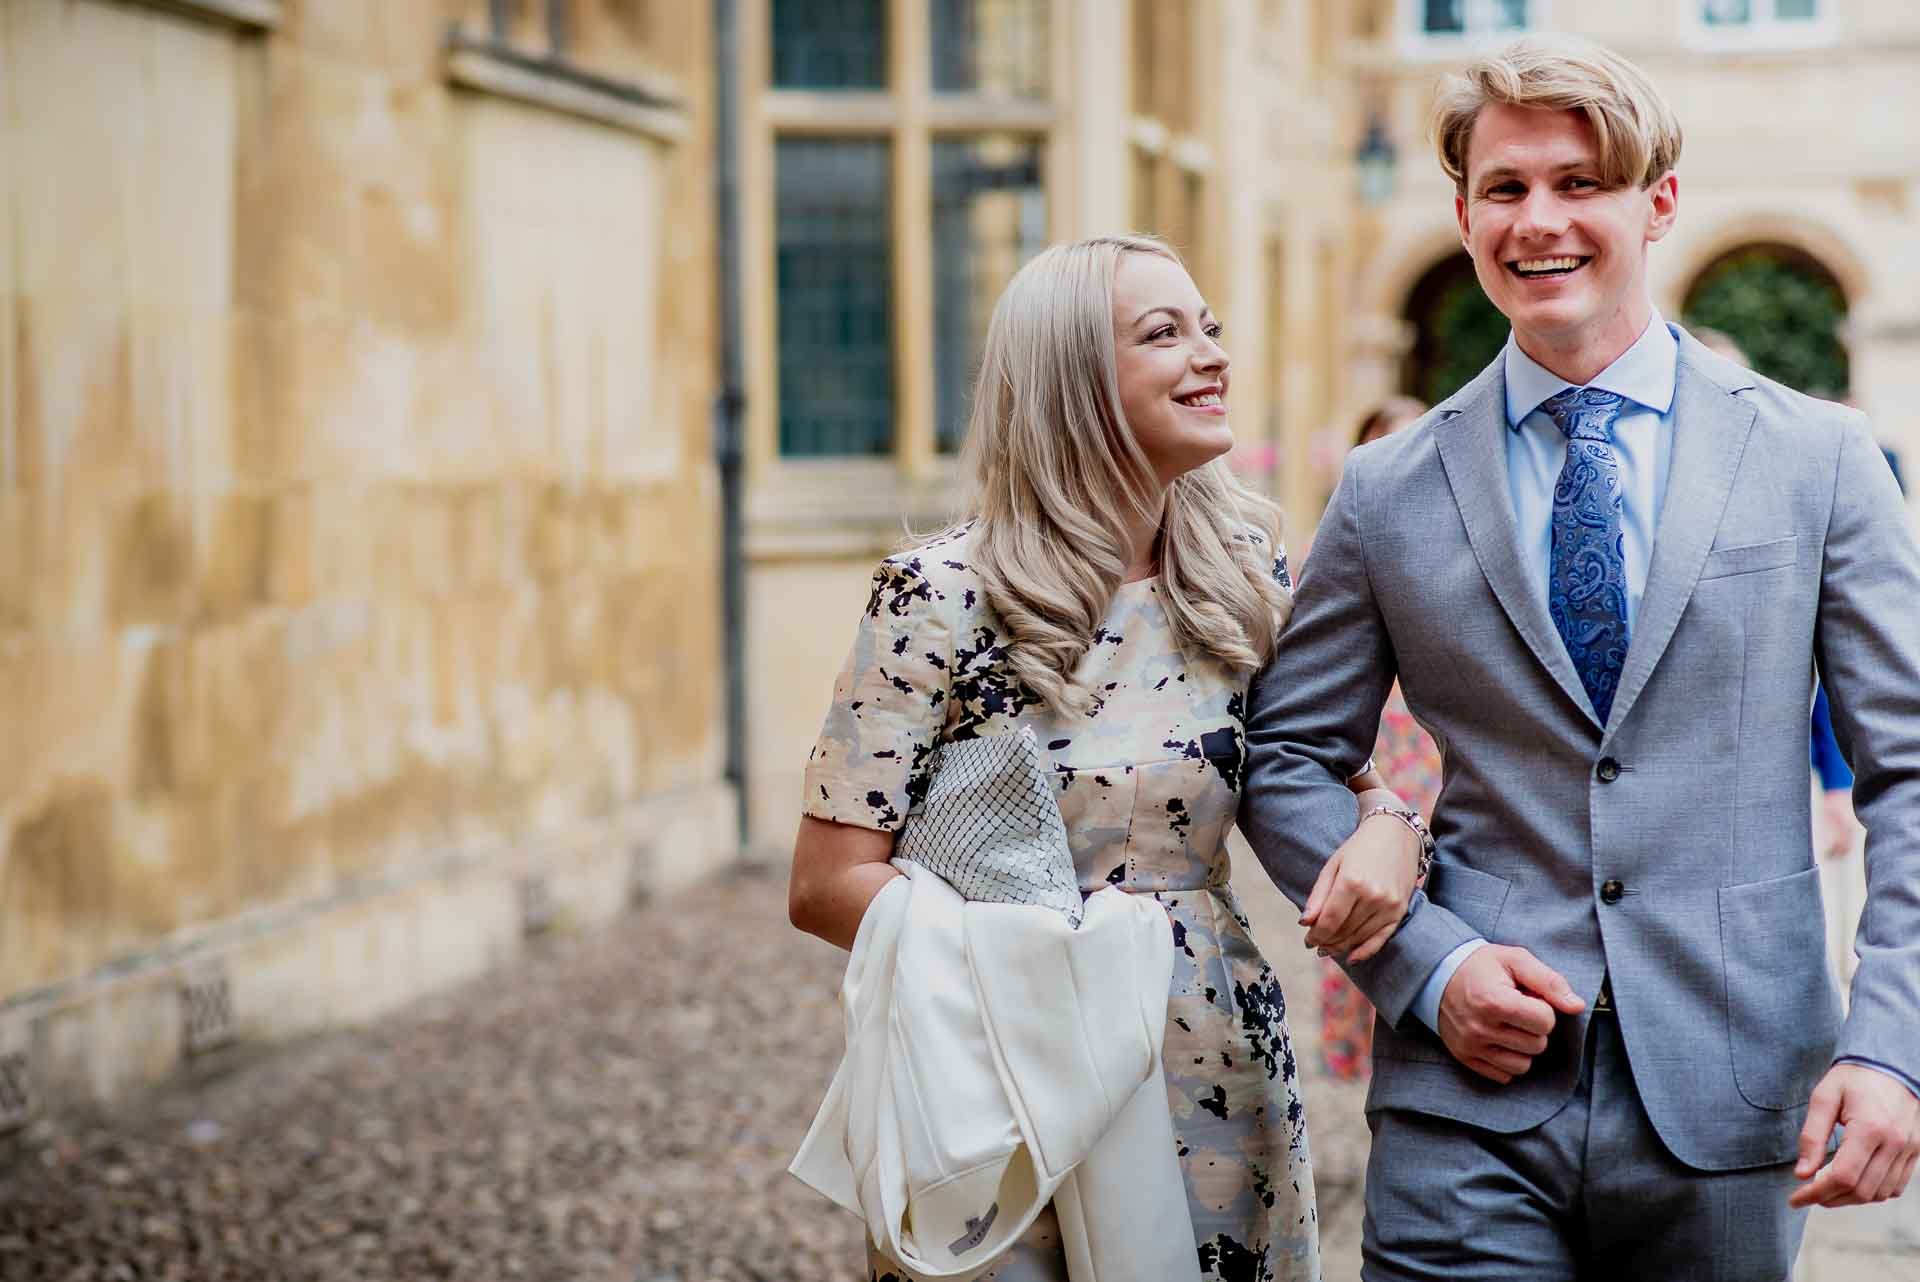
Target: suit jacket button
x=1608 y=770
x=1611 y=890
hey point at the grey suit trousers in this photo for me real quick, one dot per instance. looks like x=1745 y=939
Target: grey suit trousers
x=1591 y=1194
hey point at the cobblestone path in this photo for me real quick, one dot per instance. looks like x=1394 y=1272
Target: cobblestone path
x=619 y=1106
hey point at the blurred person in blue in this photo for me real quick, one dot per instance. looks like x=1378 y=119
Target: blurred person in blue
x=1604 y=573
x=1838 y=838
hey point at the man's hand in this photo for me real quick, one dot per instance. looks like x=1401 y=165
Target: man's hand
x=1362 y=893
x=1836 y=830
x=1877 y=1155
x=1498 y=1009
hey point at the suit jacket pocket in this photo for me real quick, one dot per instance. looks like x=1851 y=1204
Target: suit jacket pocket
x=1475 y=897
x=1750 y=559
x=1782 y=1013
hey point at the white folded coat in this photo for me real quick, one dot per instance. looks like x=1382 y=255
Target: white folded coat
x=997 y=1059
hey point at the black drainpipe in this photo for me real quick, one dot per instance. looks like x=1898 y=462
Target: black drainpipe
x=730 y=405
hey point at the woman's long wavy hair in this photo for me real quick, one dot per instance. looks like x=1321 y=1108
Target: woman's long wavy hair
x=1055 y=474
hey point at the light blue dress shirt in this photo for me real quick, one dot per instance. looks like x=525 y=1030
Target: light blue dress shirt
x=1536 y=450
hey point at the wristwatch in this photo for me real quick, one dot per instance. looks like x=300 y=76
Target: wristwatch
x=1412 y=819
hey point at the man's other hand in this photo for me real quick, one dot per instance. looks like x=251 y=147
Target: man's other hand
x=1499 y=1008
x=1877 y=1155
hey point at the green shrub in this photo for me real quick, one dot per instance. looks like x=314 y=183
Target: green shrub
x=1783 y=311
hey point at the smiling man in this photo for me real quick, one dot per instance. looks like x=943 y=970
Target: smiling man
x=1604 y=573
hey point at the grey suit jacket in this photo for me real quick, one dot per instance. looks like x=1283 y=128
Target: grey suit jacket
x=1782 y=545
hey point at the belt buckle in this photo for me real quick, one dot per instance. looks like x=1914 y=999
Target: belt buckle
x=1604 y=1002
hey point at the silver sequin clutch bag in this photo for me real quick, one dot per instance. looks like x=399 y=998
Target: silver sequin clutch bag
x=991 y=827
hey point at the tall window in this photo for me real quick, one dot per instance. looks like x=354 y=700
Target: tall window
x=835 y=288
x=829 y=44
x=989 y=216
x=1738 y=14
x=1744 y=24
x=1171 y=163
x=909 y=140
x=1444 y=18
x=990 y=46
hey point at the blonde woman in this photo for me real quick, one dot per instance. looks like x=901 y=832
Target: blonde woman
x=1113 y=588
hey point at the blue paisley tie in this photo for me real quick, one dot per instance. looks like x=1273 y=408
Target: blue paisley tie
x=1587 y=585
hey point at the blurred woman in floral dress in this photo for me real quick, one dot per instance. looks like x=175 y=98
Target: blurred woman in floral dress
x=1405 y=754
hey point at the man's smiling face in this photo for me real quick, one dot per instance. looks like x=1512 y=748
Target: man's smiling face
x=1559 y=251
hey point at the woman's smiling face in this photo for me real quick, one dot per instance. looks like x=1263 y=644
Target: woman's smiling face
x=1169 y=364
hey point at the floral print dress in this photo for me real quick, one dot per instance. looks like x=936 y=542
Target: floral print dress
x=1148 y=782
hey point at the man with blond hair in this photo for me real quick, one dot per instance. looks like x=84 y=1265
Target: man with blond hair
x=1605 y=573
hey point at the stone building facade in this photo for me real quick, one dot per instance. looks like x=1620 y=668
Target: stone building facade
x=358 y=536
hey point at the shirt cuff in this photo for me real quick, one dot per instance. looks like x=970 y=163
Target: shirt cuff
x=1426 y=1006
x=1877 y=1066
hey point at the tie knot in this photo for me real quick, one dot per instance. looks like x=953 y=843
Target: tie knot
x=1584 y=413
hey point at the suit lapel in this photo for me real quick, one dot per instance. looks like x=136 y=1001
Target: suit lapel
x=1473 y=450
x=1710 y=431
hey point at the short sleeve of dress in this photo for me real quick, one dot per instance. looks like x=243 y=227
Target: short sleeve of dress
x=871 y=761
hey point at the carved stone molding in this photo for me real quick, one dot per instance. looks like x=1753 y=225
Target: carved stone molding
x=249 y=15
x=648 y=108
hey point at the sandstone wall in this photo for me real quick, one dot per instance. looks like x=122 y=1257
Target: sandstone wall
x=358 y=555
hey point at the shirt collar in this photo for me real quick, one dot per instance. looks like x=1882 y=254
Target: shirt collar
x=1644 y=374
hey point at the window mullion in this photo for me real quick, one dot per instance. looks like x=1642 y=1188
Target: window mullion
x=911 y=55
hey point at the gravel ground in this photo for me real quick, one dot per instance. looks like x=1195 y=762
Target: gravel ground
x=620 y=1106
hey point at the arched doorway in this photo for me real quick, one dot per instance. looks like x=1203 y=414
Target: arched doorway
x=1784 y=309
x=1456 y=330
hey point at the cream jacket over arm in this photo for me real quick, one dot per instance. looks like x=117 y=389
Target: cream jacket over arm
x=998 y=1059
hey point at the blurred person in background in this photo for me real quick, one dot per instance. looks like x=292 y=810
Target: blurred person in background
x=1405 y=754
x=1112 y=589
x=1839 y=840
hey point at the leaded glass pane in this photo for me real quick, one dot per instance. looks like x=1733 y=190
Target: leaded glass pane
x=989 y=217
x=1726 y=13
x=1508 y=15
x=834 y=296
x=1796 y=10
x=1445 y=17
x=829 y=44
x=1458 y=17
x=990 y=46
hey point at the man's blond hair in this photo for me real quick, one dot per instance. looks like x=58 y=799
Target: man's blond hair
x=1637 y=132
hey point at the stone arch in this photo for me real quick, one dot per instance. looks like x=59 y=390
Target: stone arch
x=1834 y=252
x=1452 y=329
x=1411 y=254
x=1784 y=306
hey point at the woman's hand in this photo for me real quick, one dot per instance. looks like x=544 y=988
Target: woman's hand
x=1362 y=893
